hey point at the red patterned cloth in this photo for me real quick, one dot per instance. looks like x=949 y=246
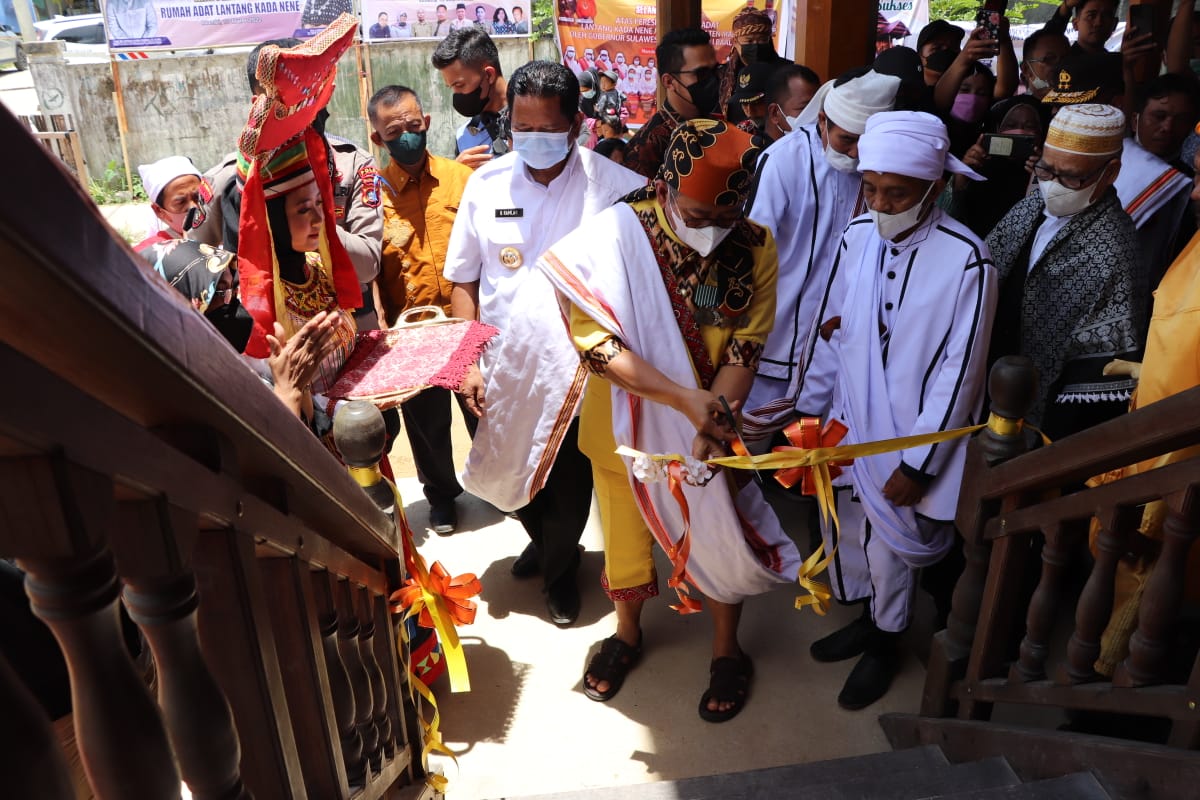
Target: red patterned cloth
x=390 y=366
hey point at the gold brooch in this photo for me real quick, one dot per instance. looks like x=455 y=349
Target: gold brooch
x=510 y=257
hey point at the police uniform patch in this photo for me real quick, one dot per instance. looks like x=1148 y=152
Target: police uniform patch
x=369 y=180
x=206 y=191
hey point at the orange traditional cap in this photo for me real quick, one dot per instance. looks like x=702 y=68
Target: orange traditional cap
x=710 y=161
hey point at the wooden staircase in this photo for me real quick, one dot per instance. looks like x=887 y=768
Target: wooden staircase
x=917 y=773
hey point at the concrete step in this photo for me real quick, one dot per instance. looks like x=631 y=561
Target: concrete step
x=1076 y=786
x=789 y=781
x=976 y=775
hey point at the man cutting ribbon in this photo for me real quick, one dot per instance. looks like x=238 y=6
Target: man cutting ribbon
x=904 y=331
x=671 y=296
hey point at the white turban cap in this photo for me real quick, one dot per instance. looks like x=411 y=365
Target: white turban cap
x=910 y=143
x=156 y=176
x=850 y=105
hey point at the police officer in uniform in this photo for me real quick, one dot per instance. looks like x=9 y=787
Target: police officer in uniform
x=356 y=197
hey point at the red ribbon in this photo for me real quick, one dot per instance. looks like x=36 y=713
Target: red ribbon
x=455 y=592
x=807 y=434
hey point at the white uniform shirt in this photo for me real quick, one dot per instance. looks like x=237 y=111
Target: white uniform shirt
x=531 y=372
x=933 y=347
x=807 y=204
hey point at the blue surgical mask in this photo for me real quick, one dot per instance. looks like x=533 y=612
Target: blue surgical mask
x=542 y=150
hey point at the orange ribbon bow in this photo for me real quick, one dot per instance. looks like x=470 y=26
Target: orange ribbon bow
x=455 y=592
x=807 y=434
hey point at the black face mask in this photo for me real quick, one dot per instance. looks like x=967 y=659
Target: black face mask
x=407 y=148
x=471 y=104
x=751 y=53
x=705 y=95
x=234 y=322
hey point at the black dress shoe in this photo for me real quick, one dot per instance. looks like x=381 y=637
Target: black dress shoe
x=562 y=601
x=872 y=675
x=845 y=643
x=443 y=518
x=527 y=564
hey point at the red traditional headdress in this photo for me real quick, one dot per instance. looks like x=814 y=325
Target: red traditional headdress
x=277 y=152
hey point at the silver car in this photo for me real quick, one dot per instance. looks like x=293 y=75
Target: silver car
x=11 y=51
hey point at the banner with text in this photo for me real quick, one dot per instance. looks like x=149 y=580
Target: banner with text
x=151 y=24
x=620 y=35
x=384 y=20
x=899 y=22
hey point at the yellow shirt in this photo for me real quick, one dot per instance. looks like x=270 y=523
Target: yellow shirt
x=418 y=214
x=723 y=345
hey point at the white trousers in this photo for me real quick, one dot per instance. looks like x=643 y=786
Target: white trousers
x=865 y=568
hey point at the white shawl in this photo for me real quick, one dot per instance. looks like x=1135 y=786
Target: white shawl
x=608 y=269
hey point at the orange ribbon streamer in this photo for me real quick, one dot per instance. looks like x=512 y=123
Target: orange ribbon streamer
x=679 y=553
x=807 y=434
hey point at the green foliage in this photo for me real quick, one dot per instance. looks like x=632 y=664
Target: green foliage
x=1019 y=11
x=111 y=188
x=542 y=13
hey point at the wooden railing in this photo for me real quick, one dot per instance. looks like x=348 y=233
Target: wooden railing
x=998 y=643
x=142 y=463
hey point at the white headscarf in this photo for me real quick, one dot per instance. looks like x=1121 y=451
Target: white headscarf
x=910 y=143
x=850 y=105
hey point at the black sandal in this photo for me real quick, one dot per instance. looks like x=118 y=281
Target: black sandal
x=729 y=682
x=611 y=664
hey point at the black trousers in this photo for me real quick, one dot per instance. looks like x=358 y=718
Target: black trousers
x=557 y=515
x=427 y=419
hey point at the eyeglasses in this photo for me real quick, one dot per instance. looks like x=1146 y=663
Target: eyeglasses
x=1044 y=173
x=702 y=73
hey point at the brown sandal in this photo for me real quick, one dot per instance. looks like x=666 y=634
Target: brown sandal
x=612 y=663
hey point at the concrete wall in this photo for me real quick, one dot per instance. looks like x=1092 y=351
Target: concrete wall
x=196 y=105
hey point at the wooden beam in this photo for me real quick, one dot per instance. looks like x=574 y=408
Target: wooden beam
x=833 y=36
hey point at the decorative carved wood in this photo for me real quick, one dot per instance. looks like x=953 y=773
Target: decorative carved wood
x=379 y=689
x=30 y=759
x=344 y=704
x=122 y=740
x=1096 y=601
x=364 y=702
x=1062 y=541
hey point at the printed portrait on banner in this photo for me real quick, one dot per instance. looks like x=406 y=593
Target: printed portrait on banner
x=384 y=20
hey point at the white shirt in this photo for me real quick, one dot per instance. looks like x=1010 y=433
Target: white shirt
x=807 y=204
x=1050 y=227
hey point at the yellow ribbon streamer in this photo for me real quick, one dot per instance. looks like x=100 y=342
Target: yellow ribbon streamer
x=452 y=650
x=818 y=458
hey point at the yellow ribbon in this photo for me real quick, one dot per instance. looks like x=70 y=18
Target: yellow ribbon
x=452 y=650
x=818 y=458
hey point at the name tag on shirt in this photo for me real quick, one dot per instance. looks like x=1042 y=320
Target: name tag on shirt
x=509 y=213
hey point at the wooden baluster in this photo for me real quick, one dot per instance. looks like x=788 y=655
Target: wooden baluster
x=386 y=655
x=1163 y=596
x=306 y=676
x=364 y=702
x=122 y=741
x=1061 y=544
x=31 y=761
x=239 y=645
x=339 y=680
x=153 y=543
x=1096 y=600
x=1013 y=386
x=366 y=643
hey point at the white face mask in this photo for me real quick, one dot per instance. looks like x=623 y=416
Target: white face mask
x=1064 y=202
x=542 y=150
x=892 y=225
x=840 y=161
x=702 y=240
x=1036 y=83
x=793 y=122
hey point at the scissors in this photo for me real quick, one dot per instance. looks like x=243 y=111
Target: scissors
x=737 y=432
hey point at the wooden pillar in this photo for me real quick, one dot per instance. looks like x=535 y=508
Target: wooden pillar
x=832 y=35
x=675 y=14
